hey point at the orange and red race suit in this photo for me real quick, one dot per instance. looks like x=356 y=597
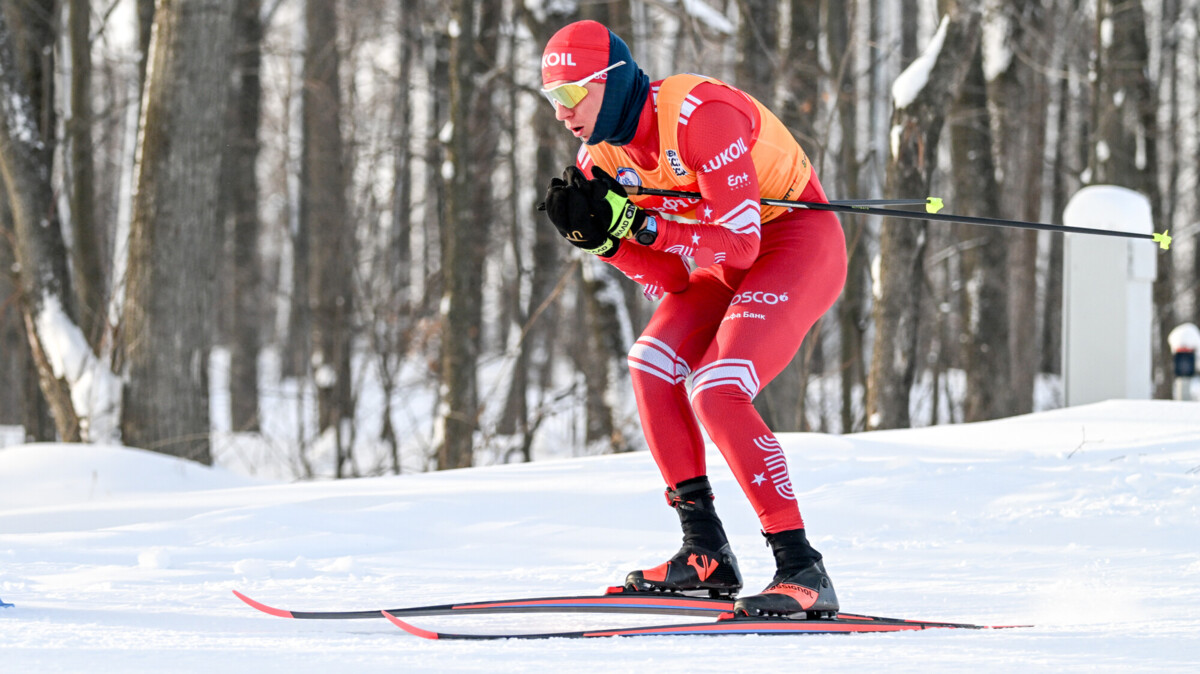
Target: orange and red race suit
x=763 y=276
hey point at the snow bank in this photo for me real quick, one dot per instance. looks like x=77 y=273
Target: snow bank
x=43 y=475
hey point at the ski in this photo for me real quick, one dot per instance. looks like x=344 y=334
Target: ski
x=616 y=600
x=727 y=625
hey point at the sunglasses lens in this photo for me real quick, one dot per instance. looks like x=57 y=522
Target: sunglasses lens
x=567 y=95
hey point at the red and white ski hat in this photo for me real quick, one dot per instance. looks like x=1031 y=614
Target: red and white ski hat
x=576 y=51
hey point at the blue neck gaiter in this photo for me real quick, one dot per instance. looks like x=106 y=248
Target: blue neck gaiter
x=624 y=95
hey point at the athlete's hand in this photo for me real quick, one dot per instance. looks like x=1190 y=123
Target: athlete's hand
x=568 y=204
x=610 y=204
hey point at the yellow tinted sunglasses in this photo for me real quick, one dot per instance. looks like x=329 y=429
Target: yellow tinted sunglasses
x=570 y=94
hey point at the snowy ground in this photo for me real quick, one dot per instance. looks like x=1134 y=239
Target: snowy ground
x=1084 y=522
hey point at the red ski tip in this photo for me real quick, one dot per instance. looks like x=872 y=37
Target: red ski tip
x=269 y=610
x=415 y=631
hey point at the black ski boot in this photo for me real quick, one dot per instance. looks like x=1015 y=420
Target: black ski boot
x=800 y=589
x=705 y=561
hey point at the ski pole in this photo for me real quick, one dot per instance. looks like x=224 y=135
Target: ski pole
x=864 y=207
x=931 y=204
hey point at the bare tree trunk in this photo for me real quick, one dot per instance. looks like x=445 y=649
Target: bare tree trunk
x=1196 y=174
x=324 y=210
x=87 y=249
x=1164 y=292
x=514 y=414
x=33 y=26
x=877 y=106
x=916 y=129
x=540 y=316
x=14 y=346
x=758 y=47
x=471 y=154
x=173 y=239
x=400 y=249
x=26 y=152
x=909 y=46
x=248 y=299
x=145 y=15
x=393 y=321
x=297 y=360
x=13 y=340
x=602 y=360
x=11 y=365
x=1019 y=96
x=852 y=309
x=438 y=60
x=802 y=75
x=616 y=16
x=985 y=252
x=37 y=417
x=21 y=400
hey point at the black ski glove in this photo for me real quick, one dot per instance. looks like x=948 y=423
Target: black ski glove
x=568 y=203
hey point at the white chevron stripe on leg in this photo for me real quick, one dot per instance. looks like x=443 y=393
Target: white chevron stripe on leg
x=727 y=372
x=655 y=357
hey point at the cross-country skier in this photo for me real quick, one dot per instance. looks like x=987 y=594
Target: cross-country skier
x=763 y=276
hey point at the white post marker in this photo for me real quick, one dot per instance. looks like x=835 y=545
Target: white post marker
x=1185 y=343
x=1107 y=298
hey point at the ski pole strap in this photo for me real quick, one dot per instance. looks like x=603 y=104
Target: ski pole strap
x=932 y=205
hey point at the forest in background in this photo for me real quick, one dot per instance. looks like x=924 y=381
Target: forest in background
x=350 y=186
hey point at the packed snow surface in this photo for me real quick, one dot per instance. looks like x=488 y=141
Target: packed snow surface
x=1084 y=523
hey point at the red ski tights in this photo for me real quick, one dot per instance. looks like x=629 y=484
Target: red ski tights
x=734 y=330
